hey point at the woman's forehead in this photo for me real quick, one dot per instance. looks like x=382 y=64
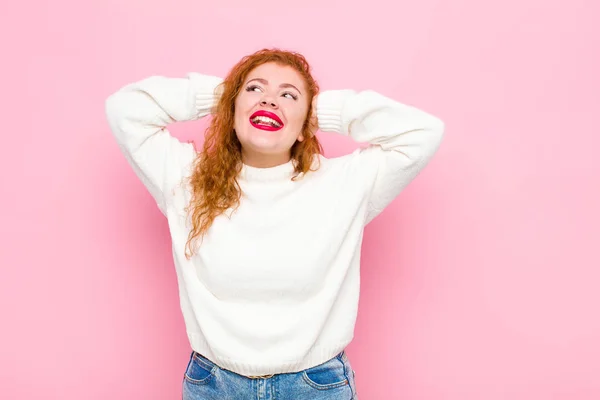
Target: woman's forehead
x=276 y=74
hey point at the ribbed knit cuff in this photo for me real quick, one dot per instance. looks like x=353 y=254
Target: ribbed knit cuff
x=330 y=109
x=204 y=92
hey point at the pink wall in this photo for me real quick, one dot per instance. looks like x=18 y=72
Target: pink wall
x=479 y=282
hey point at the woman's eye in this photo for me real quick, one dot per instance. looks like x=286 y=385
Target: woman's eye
x=252 y=88
x=291 y=95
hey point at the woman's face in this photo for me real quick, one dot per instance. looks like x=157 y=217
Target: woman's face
x=270 y=111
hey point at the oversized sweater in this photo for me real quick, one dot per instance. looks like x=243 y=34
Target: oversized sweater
x=274 y=286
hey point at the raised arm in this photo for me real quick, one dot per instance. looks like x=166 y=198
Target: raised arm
x=138 y=115
x=402 y=139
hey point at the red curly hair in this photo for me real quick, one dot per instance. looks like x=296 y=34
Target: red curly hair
x=213 y=182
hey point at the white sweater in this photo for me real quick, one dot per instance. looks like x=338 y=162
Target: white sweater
x=274 y=288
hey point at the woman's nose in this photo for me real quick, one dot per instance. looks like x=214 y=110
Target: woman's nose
x=268 y=103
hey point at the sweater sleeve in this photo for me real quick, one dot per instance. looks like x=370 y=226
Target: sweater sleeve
x=401 y=140
x=138 y=115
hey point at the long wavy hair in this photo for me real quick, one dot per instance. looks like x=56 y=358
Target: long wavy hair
x=213 y=182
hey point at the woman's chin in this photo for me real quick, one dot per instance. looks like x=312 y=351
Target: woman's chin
x=262 y=145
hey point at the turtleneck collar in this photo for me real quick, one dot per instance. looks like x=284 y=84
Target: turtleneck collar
x=279 y=172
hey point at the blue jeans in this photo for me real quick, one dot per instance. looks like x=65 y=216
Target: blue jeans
x=332 y=380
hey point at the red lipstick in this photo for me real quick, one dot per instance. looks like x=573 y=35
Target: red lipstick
x=265 y=125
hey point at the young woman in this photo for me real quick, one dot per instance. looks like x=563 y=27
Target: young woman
x=266 y=231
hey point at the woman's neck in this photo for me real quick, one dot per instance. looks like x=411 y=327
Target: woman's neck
x=264 y=160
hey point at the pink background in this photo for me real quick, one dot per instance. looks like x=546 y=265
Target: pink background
x=479 y=282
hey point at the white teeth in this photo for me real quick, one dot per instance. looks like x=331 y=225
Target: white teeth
x=266 y=120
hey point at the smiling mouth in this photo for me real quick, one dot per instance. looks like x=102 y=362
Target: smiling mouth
x=266 y=121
